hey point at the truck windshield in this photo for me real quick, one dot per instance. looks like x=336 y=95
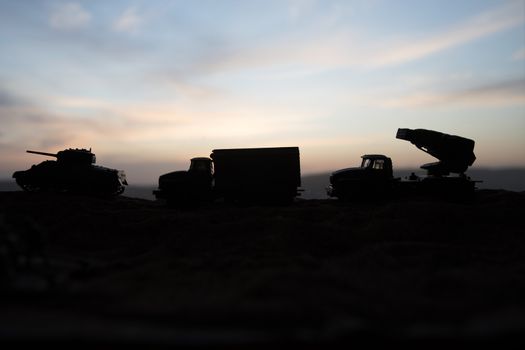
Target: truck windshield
x=378 y=164
x=200 y=166
x=373 y=163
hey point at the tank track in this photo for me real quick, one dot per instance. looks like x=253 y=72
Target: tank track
x=27 y=187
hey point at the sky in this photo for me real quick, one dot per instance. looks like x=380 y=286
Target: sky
x=150 y=84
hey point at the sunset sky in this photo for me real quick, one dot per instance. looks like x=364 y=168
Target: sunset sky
x=150 y=84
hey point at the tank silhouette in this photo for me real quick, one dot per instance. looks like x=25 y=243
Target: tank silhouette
x=74 y=170
x=374 y=178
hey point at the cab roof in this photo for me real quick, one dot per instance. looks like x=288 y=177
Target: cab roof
x=374 y=156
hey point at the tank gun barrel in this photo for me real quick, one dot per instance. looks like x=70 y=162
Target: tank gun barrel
x=43 y=153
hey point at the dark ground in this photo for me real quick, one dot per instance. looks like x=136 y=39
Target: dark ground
x=128 y=271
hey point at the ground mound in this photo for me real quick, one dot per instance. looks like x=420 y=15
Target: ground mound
x=132 y=271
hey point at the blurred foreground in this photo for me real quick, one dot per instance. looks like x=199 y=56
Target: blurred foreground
x=126 y=271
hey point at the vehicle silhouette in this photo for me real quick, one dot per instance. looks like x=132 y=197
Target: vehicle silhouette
x=236 y=175
x=374 y=178
x=74 y=170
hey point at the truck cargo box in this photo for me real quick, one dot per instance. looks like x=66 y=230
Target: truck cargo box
x=243 y=173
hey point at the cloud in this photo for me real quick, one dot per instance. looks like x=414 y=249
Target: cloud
x=32 y=120
x=24 y=125
x=482 y=25
x=55 y=121
x=180 y=82
x=69 y=16
x=519 y=55
x=10 y=98
x=508 y=92
x=334 y=48
x=129 y=21
x=299 y=8
x=7 y=99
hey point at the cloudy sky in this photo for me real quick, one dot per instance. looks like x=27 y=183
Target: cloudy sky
x=150 y=84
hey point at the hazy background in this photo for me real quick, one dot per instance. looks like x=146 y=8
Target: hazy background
x=150 y=84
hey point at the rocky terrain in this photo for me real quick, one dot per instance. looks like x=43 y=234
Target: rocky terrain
x=127 y=271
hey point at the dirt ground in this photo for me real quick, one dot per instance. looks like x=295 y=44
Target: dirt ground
x=99 y=271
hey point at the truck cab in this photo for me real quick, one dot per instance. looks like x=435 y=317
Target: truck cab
x=188 y=185
x=377 y=164
x=373 y=177
x=201 y=165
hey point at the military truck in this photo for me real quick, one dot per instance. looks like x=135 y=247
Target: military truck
x=374 y=178
x=236 y=175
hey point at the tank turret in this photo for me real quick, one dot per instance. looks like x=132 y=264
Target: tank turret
x=72 y=171
x=76 y=156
